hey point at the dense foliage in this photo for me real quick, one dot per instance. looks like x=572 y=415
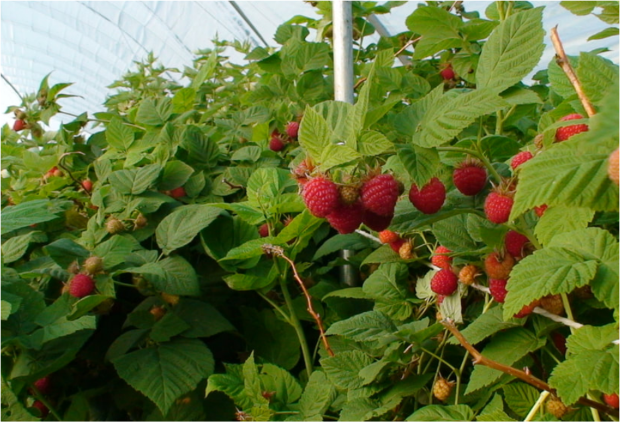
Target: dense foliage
x=135 y=276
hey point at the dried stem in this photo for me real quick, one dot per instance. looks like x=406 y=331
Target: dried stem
x=280 y=252
x=525 y=376
x=62 y=166
x=407 y=44
x=564 y=63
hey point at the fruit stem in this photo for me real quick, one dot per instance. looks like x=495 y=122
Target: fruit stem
x=275 y=307
x=541 y=400
x=569 y=312
x=43 y=400
x=440 y=359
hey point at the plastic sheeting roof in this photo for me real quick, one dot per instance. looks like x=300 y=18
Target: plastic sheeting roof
x=92 y=43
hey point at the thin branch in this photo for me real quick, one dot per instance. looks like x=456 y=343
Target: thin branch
x=541 y=399
x=368 y=235
x=61 y=164
x=564 y=63
x=277 y=250
x=407 y=44
x=556 y=318
x=358 y=83
x=12 y=87
x=522 y=375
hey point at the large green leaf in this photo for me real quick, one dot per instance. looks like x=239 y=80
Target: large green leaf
x=343 y=369
x=165 y=372
x=114 y=251
x=387 y=286
x=228 y=233
x=119 y=135
x=422 y=164
x=436 y=412
x=596 y=75
x=204 y=320
x=486 y=325
x=520 y=397
x=314 y=133
x=135 y=181
x=512 y=51
x=32 y=212
x=318 y=395
x=560 y=219
x=14 y=248
x=176 y=173
x=183 y=224
x=366 y=326
x=439 y=29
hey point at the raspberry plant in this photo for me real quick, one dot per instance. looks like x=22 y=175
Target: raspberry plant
x=206 y=252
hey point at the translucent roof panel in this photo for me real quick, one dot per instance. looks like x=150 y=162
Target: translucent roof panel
x=92 y=43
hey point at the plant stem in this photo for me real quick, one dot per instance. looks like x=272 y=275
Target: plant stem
x=47 y=404
x=569 y=312
x=294 y=321
x=595 y=415
x=440 y=359
x=275 y=306
x=541 y=399
x=499 y=122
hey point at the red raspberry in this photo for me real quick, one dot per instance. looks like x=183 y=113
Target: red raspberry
x=430 y=198
x=559 y=341
x=263 y=230
x=497 y=266
x=444 y=282
x=321 y=196
x=441 y=259
x=87 y=185
x=19 y=125
x=497 y=207
x=440 y=299
x=388 y=236
x=396 y=245
x=81 y=285
x=520 y=158
x=177 y=193
x=447 y=73
x=526 y=310
x=43 y=410
x=612 y=400
x=43 y=385
x=470 y=177
x=515 y=244
x=498 y=289
x=292 y=129
x=276 y=144
x=541 y=210
x=346 y=218
x=377 y=222
x=563 y=133
x=380 y=194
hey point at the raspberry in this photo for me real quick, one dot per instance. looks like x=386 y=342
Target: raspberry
x=430 y=198
x=380 y=194
x=321 y=196
x=497 y=266
x=444 y=282
x=395 y=245
x=440 y=259
x=470 y=177
x=497 y=207
x=498 y=289
x=377 y=222
x=515 y=244
x=388 y=236
x=556 y=407
x=468 y=274
x=158 y=312
x=349 y=194
x=612 y=167
x=552 y=304
x=43 y=410
x=114 y=226
x=169 y=298
x=440 y=299
x=292 y=129
x=612 y=400
x=43 y=385
x=541 y=210
x=81 y=285
x=93 y=265
x=406 y=250
x=263 y=230
x=559 y=341
x=346 y=218
x=87 y=185
x=527 y=310
x=140 y=222
x=177 y=193
x=442 y=389
x=19 y=125
x=276 y=144
x=563 y=133
x=520 y=158
x=447 y=73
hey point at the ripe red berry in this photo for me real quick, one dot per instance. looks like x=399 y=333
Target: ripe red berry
x=563 y=133
x=87 y=185
x=396 y=244
x=498 y=289
x=430 y=198
x=526 y=310
x=263 y=230
x=177 y=193
x=380 y=194
x=559 y=342
x=276 y=144
x=388 y=236
x=541 y=210
x=444 y=282
x=497 y=207
x=520 y=158
x=346 y=218
x=447 y=73
x=43 y=385
x=612 y=400
x=497 y=266
x=292 y=129
x=515 y=244
x=441 y=259
x=43 y=410
x=81 y=285
x=376 y=222
x=321 y=196
x=470 y=177
x=18 y=125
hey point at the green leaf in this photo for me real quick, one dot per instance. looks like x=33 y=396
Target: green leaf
x=445 y=119
x=205 y=72
x=422 y=164
x=520 y=397
x=85 y=305
x=341 y=121
x=183 y=100
x=180 y=277
x=507 y=348
x=169 y=326
x=316 y=398
x=265 y=185
x=230 y=384
x=351 y=292
x=512 y=51
x=367 y=326
x=228 y=233
x=335 y=155
x=559 y=81
x=343 y=369
x=6 y=310
x=439 y=29
x=65 y=251
x=202 y=152
x=452 y=233
x=12 y=407
x=387 y=286
x=280 y=381
x=204 y=320
x=119 y=135
x=605 y=33
x=152 y=113
x=494 y=411
x=14 y=248
x=114 y=251
x=486 y=325
x=352 y=241
x=32 y=212
x=176 y=173
x=167 y=371
x=63 y=327
x=596 y=75
x=136 y=181
x=436 y=412
x=373 y=143
x=180 y=227
x=251 y=381
x=559 y=219
x=579 y=8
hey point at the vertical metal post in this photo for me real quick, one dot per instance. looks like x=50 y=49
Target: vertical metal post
x=342 y=21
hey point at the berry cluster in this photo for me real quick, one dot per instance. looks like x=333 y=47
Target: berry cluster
x=43 y=387
x=278 y=140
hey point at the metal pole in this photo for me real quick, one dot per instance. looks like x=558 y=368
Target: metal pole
x=382 y=30
x=342 y=18
x=248 y=21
